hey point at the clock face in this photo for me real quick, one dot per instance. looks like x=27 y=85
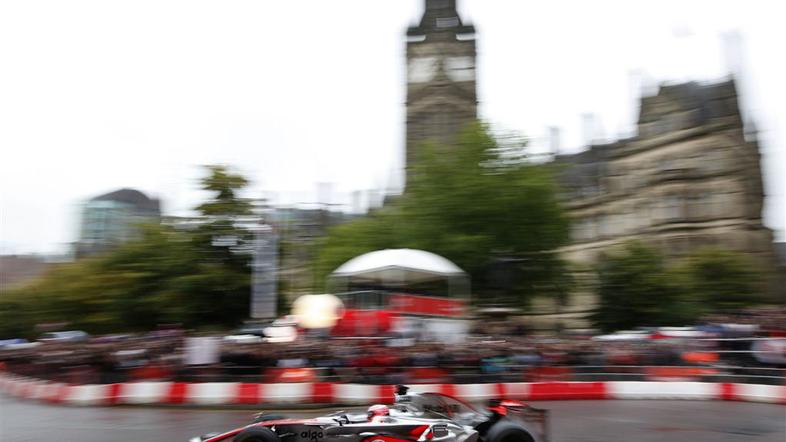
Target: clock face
x=460 y=68
x=422 y=69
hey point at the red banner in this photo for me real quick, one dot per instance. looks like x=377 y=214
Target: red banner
x=425 y=305
x=364 y=323
x=287 y=375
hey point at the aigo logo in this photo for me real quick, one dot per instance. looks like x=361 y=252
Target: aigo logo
x=312 y=435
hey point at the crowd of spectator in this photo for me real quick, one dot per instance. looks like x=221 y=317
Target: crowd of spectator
x=505 y=352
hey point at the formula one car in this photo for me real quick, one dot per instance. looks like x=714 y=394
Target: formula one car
x=413 y=417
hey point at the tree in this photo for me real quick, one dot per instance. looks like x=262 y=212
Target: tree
x=481 y=204
x=198 y=276
x=634 y=290
x=721 y=279
x=226 y=186
x=380 y=229
x=219 y=287
x=636 y=287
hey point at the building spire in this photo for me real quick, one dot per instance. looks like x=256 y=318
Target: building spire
x=440 y=17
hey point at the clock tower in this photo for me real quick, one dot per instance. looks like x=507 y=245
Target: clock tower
x=441 y=95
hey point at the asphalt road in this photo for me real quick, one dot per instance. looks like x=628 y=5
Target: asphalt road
x=644 y=421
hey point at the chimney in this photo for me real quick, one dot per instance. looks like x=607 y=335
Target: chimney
x=554 y=141
x=588 y=124
x=356 y=198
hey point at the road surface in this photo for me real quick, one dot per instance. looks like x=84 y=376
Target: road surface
x=587 y=421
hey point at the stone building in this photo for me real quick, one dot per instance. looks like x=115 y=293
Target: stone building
x=18 y=270
x=690 y=178
x=441 y=81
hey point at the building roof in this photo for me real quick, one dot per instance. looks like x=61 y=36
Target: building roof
x=133 y=197
x=710 y=100
x=707 y=101
x=585 y=168
x=440 y=17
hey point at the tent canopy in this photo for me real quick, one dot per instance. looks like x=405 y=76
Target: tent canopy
x=398 y=266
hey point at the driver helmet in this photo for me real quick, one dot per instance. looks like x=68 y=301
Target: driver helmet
x=378 y=410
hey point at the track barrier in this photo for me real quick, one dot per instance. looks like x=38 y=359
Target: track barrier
x=283 y=394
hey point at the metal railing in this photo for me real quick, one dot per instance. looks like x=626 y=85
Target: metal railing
x=719 y=360
x=457 y=374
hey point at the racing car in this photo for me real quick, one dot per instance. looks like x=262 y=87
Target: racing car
x=413 y=417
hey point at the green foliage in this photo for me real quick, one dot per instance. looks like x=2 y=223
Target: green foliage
x=634 y=291
x=16 y=316
x=636 y=287
x=476 y=203
x=197 y=276
x=225 y=185
x=721 y=279
x=345 y=241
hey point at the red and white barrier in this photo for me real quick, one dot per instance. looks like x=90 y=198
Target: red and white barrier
x=663 y=390
x=234 y=393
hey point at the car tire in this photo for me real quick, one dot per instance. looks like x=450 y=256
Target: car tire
x=507 y=431
x=269 y=417
x=257 y=434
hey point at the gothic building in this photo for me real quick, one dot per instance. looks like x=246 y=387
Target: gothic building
x=441 y=81
x=690 y=178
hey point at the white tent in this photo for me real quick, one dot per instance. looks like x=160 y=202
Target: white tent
x=398 y=267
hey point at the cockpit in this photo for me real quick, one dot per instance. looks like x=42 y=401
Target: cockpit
x=414 y=406
x=435 y=406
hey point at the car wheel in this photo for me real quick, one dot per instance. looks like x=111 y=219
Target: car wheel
x=256 y=434
x=269 y=417
x=507 y=431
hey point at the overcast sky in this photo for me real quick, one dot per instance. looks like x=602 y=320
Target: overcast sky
x=99 y=95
